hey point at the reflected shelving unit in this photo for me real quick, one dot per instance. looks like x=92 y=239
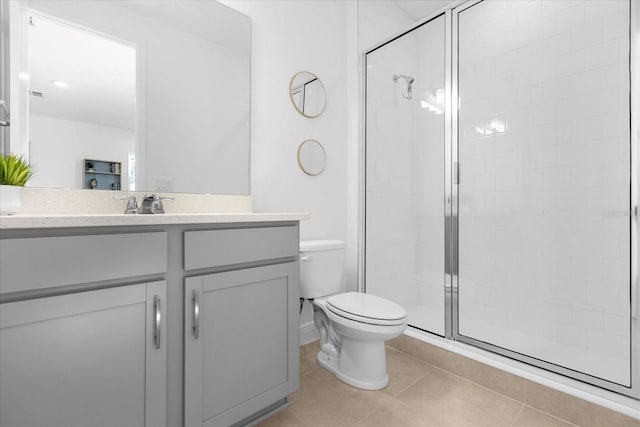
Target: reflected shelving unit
x=101 y=174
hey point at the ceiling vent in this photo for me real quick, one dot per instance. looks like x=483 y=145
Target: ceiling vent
x=36 y=94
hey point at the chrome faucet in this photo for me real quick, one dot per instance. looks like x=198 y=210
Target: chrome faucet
x=152 y=204
x=132 y=204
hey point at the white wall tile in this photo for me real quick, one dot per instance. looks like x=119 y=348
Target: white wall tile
x=564 y=259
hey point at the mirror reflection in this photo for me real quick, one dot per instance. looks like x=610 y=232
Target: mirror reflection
x=81 y=108
x=307 y=94
x=156 y=91
x=312 y=158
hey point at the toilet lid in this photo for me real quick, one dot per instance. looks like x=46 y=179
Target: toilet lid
x=367 y=308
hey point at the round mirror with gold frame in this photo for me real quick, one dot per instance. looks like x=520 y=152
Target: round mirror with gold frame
x=312 y=158
x=307 y=94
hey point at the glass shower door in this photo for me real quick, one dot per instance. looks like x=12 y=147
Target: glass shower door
x=544 y=245
x=405 y=182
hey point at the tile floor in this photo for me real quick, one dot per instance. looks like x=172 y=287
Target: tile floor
x=418 y=394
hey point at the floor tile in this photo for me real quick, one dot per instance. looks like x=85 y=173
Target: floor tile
x=503 y=382
x=446 y=399
x=530 y=417
x=418 y=395
x=308 y=361
x=404 y=371
x=495 y=379
x=324 y=400
x=284 y=418
x=398 y=414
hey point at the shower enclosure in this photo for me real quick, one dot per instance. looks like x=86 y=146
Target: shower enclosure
x=501 y=183
x=405 y=173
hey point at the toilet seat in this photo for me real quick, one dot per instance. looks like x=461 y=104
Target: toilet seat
x=366 y=308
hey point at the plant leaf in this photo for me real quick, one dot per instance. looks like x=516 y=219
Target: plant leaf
x=15 y=170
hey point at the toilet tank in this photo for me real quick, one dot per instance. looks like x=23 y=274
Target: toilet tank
x=321 y=264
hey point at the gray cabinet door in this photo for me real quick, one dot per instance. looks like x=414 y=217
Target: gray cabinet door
x=240 y=343
x=94 y=358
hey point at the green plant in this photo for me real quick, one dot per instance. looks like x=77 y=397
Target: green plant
x=15 y=170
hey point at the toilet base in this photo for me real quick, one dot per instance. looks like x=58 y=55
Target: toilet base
x=362 y=364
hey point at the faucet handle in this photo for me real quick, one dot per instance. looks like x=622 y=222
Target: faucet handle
x=158 y=207
x=132 y=203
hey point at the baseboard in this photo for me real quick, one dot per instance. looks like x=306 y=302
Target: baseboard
x=308 y=333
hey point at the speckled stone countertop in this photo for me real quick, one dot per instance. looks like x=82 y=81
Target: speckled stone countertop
x=103 y=220
x=64 y=208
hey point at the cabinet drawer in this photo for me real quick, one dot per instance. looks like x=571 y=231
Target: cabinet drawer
x=43 y=262
x=213 y=248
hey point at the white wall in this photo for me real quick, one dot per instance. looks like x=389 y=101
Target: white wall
x=58 y=148
x=326 y=38
x=288 y=37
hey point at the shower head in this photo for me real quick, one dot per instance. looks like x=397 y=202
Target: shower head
x=409 y=81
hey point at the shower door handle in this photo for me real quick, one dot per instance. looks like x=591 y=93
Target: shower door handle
x=634 y=281
x=634 y=299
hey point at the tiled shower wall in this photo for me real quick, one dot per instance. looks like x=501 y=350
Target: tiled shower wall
x=405 y=174
x=544 y=196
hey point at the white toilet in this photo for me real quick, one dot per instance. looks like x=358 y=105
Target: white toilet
x=353 y=326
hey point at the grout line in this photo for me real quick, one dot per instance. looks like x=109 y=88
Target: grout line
x=423 y=376
x=551 y=415
x=518 y=415
x=432 y=367
x=523 y=402
x=298 y=417
x=462 y=378
x=411 y=356
x=361 y=420
x=479 y=385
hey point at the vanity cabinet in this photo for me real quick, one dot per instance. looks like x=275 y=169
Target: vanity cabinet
x=93 y=358
x=148 y=325
x=82 y=329
x=241 y=324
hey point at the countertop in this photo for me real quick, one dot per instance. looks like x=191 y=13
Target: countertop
x=26 y=221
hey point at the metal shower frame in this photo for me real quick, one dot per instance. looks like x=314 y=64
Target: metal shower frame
x=451 y=277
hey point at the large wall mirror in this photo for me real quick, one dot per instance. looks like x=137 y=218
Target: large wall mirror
x=159 y=90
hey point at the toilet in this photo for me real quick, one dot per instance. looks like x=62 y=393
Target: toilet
x=353 y=326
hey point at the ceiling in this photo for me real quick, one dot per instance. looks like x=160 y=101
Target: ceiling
x=210 y=20
x=419 y=9
x=99 y=72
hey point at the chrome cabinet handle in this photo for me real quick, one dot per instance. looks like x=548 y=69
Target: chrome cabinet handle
x=157 y=312
x=196 y=315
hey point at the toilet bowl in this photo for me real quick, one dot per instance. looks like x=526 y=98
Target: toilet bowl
x=353 y=326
